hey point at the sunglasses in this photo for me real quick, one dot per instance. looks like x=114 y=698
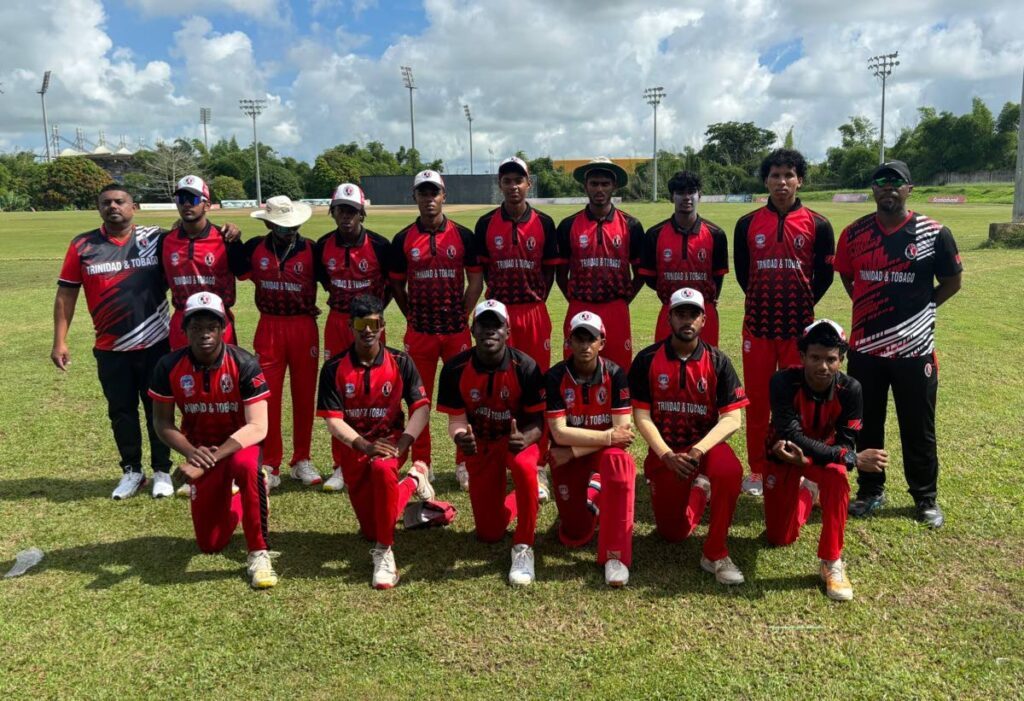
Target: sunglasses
x=188 y=198
x=889 y=180
x=362 y=324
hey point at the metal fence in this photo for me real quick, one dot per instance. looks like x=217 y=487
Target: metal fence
x=979 y=176
x=461 y=189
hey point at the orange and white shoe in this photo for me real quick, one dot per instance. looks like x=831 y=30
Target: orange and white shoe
x=837 y=584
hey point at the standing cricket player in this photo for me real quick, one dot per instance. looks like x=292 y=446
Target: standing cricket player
x=494 y=397
x=360 y=397
x=599 y=249
x=687 y=402
x=351 y=260
x=594 y=478
x=127 y=299
x=436 y=280
x=889 y=262
x=783 y=260
x=281 y=265
x=222 y=396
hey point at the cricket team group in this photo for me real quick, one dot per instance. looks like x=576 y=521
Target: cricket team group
x=808 y=425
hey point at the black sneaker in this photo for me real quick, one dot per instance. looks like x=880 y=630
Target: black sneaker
x=862 y=507
x=929 y=513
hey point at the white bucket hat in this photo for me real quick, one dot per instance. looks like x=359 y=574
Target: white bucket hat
x=282 y=211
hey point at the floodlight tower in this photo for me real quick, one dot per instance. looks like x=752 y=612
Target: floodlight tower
x=204 y=119
x=1018 y=190
x=469 y=117
x=410 y=84
x=253 y=108
x=882 y=66
x=42 y=97
x=653 y=97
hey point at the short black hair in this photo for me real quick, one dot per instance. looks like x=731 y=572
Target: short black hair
x=825 y=335
x=684 y=180
x=782 y=157
x=111 y=187
x=365 y=305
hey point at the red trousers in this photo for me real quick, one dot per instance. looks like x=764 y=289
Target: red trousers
x=619 y=337
x=289 y=343
x=709 y=334
x=761 y=358
x=378 y=497
x=216 y=511
x=493 y=510
x=338 y=335
x=178 y=338
x=787 y=506
x=577 y=522
x=678 y=508
x=426 y=349
x=530 y=332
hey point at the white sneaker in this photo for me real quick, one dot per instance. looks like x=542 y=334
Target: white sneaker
x=273 y=481
x=304 y=470
x=261 y=572
x=811 y=487
x=521 y=572
x=162 y=485
x=462 y=476
x=752 y=485
x=421 y=473
x=701 y=482
x=184 y=490
x=616 y=574
x=234 y=488
x=543 y=486
x=725 y=571
x=385 y=572
x=335 y=483
x=129 y=484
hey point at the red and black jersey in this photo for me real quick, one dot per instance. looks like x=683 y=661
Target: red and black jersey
x=198 y=264
x=825 y=426
x=784 y=265
x=674 y=257
x=125 y=289
x=284 y=275
x=211 y=399
x=685 y=397
x=600 y=254
x=369 y=397
x=893 y=273
x=347 y=271
x=513 y=253
x=589 y=404
x=491 y=397
x=434 y=264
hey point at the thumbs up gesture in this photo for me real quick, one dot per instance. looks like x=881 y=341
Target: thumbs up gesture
x=466 y=441
x=516 y=440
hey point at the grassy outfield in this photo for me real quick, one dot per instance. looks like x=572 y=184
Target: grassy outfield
x=123 y=605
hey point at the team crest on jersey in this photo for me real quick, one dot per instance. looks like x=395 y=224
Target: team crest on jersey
x=702 y=255
x=505 y=394
x=702 y=385
x=464 y=347
x=628 y=345
x=175 y=258
x=769 y=482
x=474 y=394
x=208 y=259
x=332 y=264
x=451 y=252
x=662 y=381
x=746 y=345
x=584 y=240
x=547 y=344
x=531 y=243
x=759 y=240
x=313 y=351
x=297 y=268
x=414 y=253
x=386 y=388
x=499 y=242
x=563 y=492
x=226 y=383
x=264 y=263
x=617 y=241
x=911 y=251
x=350 y=389
x=364 y=265
x=928 y=370
x=799 y=242
x=602 y=395
x=666 y=254
x=188 y=385
x=570 y=397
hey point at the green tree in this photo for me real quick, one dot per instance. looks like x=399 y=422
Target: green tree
x=71 y=181
x=788 y=141
x=736 y=143
x=275 y=180
x=224 y=187
x=551 y=182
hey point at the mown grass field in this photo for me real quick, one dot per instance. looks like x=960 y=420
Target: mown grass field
x=124 y=606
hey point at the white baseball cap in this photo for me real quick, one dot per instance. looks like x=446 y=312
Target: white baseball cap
x=491 y=305
x=428 y=176
x=205 y=302
x=195 y=185
x=514 y=163
x=828 y=322
x=282 y=211
x=589 y=321
x=349 y=194
x=686 y=296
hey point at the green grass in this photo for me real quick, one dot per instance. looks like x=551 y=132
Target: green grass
x=976 y=193
x=123 y=605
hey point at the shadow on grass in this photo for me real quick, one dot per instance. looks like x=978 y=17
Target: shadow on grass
x=58 y=490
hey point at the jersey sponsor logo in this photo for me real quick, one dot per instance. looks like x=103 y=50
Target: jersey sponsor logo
x=570 y=397
x=208 y=259
x=584 y=240
x=759 y=240
x=226 y=383
x=911 y=251
x=499 y=242
x=188 y=385
x=259 y=381
x=799 y=241
x=386 y=388
x=332 y=264
x=350 y=389
x=175 y=258
x=602 y=395
x=928 y=370
x=531 y=244
x=414 y=253
x=662 y=381
x=667 y=254
x=702 y=385
x=451 y=252
x=617 y=241
x=364 y=265
x=264 y=263
x=474 y=394
x=702 y=255
x=505 y=394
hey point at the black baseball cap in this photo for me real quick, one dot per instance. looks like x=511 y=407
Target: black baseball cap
x=898 y=167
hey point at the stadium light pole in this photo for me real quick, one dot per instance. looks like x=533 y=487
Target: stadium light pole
x=410 y=84
x=469 y=116
x=653 y=97
x=882 y=66
x=42 y=97
x=1018 y=190
x=204 y=119
x=253 y=109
